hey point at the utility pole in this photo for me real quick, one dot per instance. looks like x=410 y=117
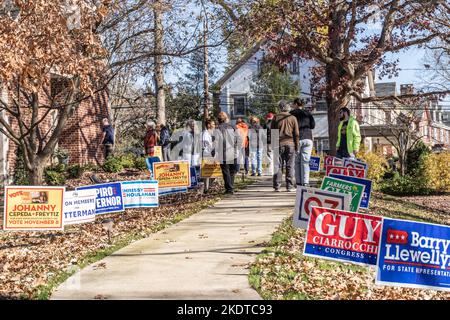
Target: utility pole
x=159 y=66
x=205 y=69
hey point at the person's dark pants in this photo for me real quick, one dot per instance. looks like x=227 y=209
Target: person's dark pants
x=286 y=159
x=342 y=154
x=228 y=172
x=108 y=150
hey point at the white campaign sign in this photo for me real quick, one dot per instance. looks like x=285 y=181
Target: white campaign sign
x=139 y=194
x=79 y=206
x=313 y=197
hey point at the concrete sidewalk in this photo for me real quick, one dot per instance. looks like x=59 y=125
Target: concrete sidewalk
x=202 y=257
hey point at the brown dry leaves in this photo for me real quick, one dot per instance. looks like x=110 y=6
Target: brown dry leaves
x=30 y=259
x=46 y=37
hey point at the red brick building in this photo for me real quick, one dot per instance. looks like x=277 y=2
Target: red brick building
x=81 y=136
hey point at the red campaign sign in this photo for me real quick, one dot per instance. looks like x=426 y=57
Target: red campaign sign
x=355 y=172
x=336 y=170
x=343 y=236
x=352 y=172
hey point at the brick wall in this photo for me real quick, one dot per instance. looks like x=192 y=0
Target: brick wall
x=84 y=129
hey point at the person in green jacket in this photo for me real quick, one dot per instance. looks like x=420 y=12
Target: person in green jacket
x=349 y=137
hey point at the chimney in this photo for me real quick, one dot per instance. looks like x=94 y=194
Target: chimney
x=406 y=89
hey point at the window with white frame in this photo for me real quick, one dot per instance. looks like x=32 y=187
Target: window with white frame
x=239 y=105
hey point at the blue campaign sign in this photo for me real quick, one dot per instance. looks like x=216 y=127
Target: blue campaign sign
x=314 y=164
x=367 y=188
x=414 y=254
x=109 y=197
x=149 y=161
x=195 y=177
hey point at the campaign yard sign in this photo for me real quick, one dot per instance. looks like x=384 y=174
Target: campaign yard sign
x=356 y=190
x=314 y=164
x=33 y=208
x=194 y=178
x=367 y=190
x=336 y=170
x=343 y=236
x=109 y=197
x=313 y=197
x=352 y=172
x=141 y=193
x=414 y=254
x=167 y=191
x=158 y=152
x=210 y=168
x=79 y=206
x=333 y=161
x=353 y=163
x=172 y=174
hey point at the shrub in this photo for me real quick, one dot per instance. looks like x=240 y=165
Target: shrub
x=405 y=185
x=127 y=161
x=90 y=167
x=113 y=165
x=437 y=171
x=140 y=163
x=75 y=171
x=54 y=178
x=378 y=166
x=415 y=158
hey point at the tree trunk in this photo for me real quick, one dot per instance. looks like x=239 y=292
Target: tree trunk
x=36 y=175
x=334 y=105
x=205 y=73
x=336 y=99
x=159 y=66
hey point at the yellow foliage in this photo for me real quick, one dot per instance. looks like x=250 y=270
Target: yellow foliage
x=437 y=171
x=377 y=165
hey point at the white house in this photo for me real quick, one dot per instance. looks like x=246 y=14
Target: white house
x=235 y=88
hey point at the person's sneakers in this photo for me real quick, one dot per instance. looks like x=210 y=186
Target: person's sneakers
x=276 y=190
x=229 y=192
x=253 y=174
x=290 y=190
x=259 y=174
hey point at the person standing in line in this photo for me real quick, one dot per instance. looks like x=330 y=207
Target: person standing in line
x=191 y=147
x=305 y=125
x=164 y=141
x=207 y=139
x=287 y=126
x=267 y=126
x=255 y=146
x=107 y=139
x=349 y=136
x=208 y=151
x=242 y=128
x=150 y=139
x=227 y=149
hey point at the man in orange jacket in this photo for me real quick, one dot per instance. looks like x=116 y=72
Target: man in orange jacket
x=242 y=128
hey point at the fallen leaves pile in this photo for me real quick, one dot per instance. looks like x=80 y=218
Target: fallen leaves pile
x=282 y=272
x=29 y=260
